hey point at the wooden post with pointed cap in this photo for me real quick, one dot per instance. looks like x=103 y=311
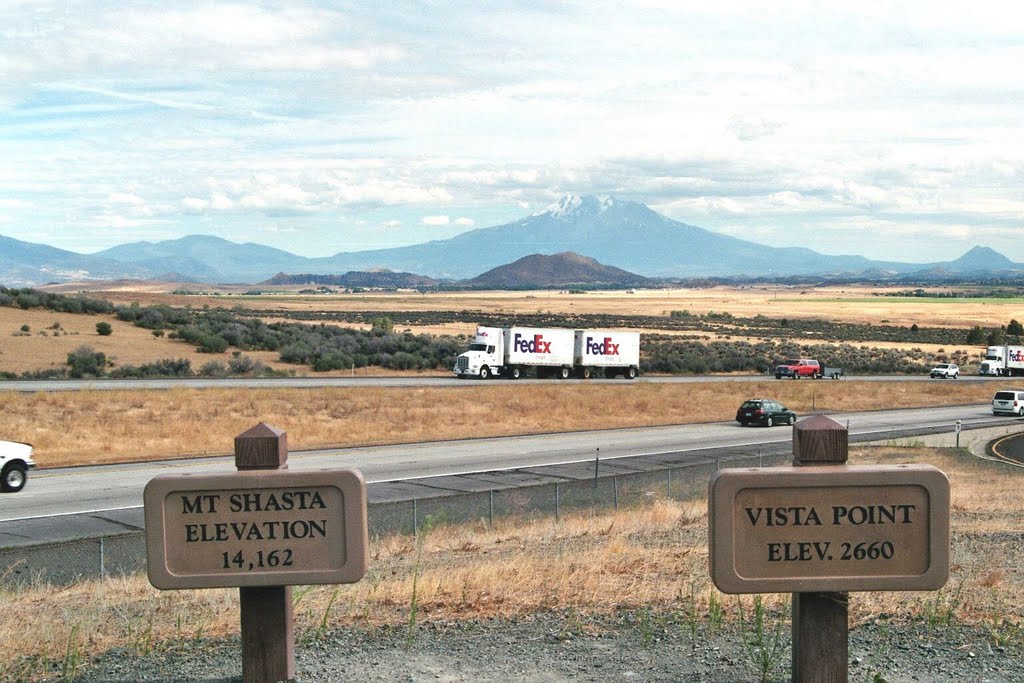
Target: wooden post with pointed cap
x=820 y=620
x=268 y=636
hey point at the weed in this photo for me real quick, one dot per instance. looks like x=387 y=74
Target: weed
x=649 y=625
x=72 y=656
x=716 y=611
x=691 y=614
x=940 y=610
x=322 y=627
x=765 y=642
x=414 y=599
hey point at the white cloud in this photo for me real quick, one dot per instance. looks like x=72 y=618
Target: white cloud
x=126 y=198
x=194 y=204
x=225 y=115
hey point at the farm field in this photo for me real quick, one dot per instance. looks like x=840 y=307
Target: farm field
x=861 y=304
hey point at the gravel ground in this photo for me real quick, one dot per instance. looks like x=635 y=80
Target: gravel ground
x=551 y=648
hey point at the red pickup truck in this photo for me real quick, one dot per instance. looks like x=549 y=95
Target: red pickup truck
x=797 y=368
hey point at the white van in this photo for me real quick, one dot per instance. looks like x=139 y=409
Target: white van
x=1009 y=402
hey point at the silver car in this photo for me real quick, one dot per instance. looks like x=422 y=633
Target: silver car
x=1008 y=402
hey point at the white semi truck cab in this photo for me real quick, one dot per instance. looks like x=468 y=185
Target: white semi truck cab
x=486 y=354
x=1003 y=361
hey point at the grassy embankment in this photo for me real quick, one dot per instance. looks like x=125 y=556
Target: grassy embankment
x=649 y=561
x=75 y=428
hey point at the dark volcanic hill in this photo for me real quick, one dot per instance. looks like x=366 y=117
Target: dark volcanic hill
x=558 y=270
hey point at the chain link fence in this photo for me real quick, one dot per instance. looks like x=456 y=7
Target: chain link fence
x=125 y=553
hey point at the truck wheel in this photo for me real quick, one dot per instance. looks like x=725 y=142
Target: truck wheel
x=630 y=373
x=563 y=373
x=585 y=373
x=1020 y=413
x=777 y=376
x=515 y=373
x=13 y=478
x=485 y=372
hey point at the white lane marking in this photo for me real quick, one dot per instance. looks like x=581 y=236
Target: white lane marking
x=77 y=512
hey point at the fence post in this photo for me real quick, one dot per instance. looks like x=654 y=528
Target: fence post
x=820 y=620
x=556 y=501
x=615 y=490
x=668 y=485
x=103 y=563
x=415 y=519
x=490 y=508
x=268 y=634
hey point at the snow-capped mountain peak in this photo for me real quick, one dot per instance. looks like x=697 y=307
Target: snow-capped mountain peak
x=573 y=204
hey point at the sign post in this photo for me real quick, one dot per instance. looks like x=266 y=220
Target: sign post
x=268 y=637
x=822 y=528
x=262 y=529
x=820 y=620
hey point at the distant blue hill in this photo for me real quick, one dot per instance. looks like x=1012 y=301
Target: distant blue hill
x=617 y=233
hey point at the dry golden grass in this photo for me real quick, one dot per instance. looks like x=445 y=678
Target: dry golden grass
x=88 y=427
x=847 y=303
x=45 y=347
x=652 y=556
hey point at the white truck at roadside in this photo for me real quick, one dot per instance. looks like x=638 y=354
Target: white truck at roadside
x=1003 y=361
x=549 y=352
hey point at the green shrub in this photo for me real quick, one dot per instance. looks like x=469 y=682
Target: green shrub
x=85 y=362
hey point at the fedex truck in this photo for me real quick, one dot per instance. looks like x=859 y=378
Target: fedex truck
x=549 y=352
x=1003 y=361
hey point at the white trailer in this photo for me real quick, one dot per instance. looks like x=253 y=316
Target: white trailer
x=1003 y=361
x=608 y=351
x=549 y=352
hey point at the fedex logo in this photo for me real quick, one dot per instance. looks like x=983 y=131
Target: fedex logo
x=603 y=348
x=535 y=345
x=1016 y=356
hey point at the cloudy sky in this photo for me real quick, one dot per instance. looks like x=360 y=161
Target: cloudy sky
x=340 y=126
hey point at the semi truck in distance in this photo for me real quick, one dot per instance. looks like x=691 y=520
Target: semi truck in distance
x=1003 y=361
x=549 y=352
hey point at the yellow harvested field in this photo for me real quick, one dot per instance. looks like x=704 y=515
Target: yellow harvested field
x=863 y=304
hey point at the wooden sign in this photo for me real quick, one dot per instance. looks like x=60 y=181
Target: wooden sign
x=834 y=528
x=256 y=528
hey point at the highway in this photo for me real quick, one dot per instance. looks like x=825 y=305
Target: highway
x=400 y=381
x=118 y=487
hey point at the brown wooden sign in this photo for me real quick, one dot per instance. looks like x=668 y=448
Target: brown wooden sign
x=256 y=528
x=831 y=528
